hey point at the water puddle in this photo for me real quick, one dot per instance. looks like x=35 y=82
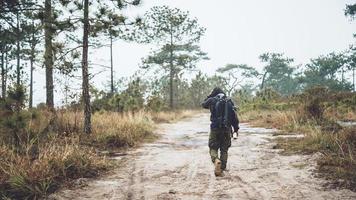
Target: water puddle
x=346 y=124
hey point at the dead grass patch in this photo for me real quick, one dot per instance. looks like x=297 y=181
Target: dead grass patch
x=337 y=146
x=58 y=151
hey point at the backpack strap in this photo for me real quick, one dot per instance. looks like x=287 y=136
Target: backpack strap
x=226 y=112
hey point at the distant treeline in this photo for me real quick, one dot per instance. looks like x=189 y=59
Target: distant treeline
x=57 y=35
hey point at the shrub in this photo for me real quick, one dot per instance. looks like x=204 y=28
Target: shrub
x=13 y=121
x=311 y=107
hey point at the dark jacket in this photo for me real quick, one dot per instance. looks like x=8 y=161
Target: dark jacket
x=210 y=102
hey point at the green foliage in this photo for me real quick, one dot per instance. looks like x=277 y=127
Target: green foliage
x=163 y=24
x=131 y=99
x=13 y=121
x=236 y=75
x=176 y=34
x=279 y=74
x=190 y=94
x=21 y=129
x=350 y=10
x=200 y=87
x=268 y=94
x=244 y=95
x=323 y=71
x=183 y=57
x=155 y=103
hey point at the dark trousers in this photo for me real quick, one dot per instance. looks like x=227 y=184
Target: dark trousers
x=219 y=138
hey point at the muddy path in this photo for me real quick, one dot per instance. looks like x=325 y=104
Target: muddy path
x=178 y=166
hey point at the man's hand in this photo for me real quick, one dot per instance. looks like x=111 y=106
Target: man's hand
x=234 y=135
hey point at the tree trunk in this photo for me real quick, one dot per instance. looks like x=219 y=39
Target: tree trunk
x=2 y=76
x=30 y=100
x=263 y=81
x=48 y=56
x=85 y=74
x=4 y=85
x=171 y=73
x=342 y=77
x=353 y=79
x=66 y=89
x=18 y=68
x=111 y=68
x=171 y=78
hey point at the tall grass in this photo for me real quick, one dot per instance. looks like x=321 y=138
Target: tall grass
x=59 y=160
x=336 y=145
x=112 y=130
x=56 y=151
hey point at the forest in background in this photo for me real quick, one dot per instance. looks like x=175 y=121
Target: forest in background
x=43 y=146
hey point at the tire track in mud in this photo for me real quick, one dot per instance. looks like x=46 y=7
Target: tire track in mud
x=178 y=166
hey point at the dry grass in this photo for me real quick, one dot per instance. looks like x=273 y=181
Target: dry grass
x=172 y=116
x=342 y=114
x=58 y=161
x=60 y=152
x=337 y=146
x=116 y=130
x=112 y=130
x=285 y=120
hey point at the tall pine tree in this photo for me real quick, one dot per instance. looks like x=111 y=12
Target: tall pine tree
x=177 y=34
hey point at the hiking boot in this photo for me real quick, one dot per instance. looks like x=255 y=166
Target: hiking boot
x=218 y=171
x=223 y=167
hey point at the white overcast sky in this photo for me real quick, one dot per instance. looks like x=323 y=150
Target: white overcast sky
x=238 y=31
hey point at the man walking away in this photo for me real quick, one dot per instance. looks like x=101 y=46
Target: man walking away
x=223 y=118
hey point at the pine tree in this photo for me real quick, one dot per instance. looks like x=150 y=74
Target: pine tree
x=177 y=34
x=32 y=39
x=15 y=20
x=48 y=54
x=97 y=18
x=5 y=47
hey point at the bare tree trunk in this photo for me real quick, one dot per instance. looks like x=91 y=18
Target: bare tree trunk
x=85 y=74
x=66 y=89
x=263 y=81
x=30 y=101
x=353 y=78
x=171 y=78
x=111 y=67
x=18 y=68
x=4 y=85
x=342 y=76
x=2 y=75
x=48 y=56
x=171 y=74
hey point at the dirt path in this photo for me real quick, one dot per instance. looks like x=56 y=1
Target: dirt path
x=178 y=167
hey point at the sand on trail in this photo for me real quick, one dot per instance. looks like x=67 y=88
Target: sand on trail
x=178 y=166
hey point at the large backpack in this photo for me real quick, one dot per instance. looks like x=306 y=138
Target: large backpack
x=221 y=109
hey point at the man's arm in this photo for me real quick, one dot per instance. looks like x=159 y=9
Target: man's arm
x=234 y=119
x=207 y=102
